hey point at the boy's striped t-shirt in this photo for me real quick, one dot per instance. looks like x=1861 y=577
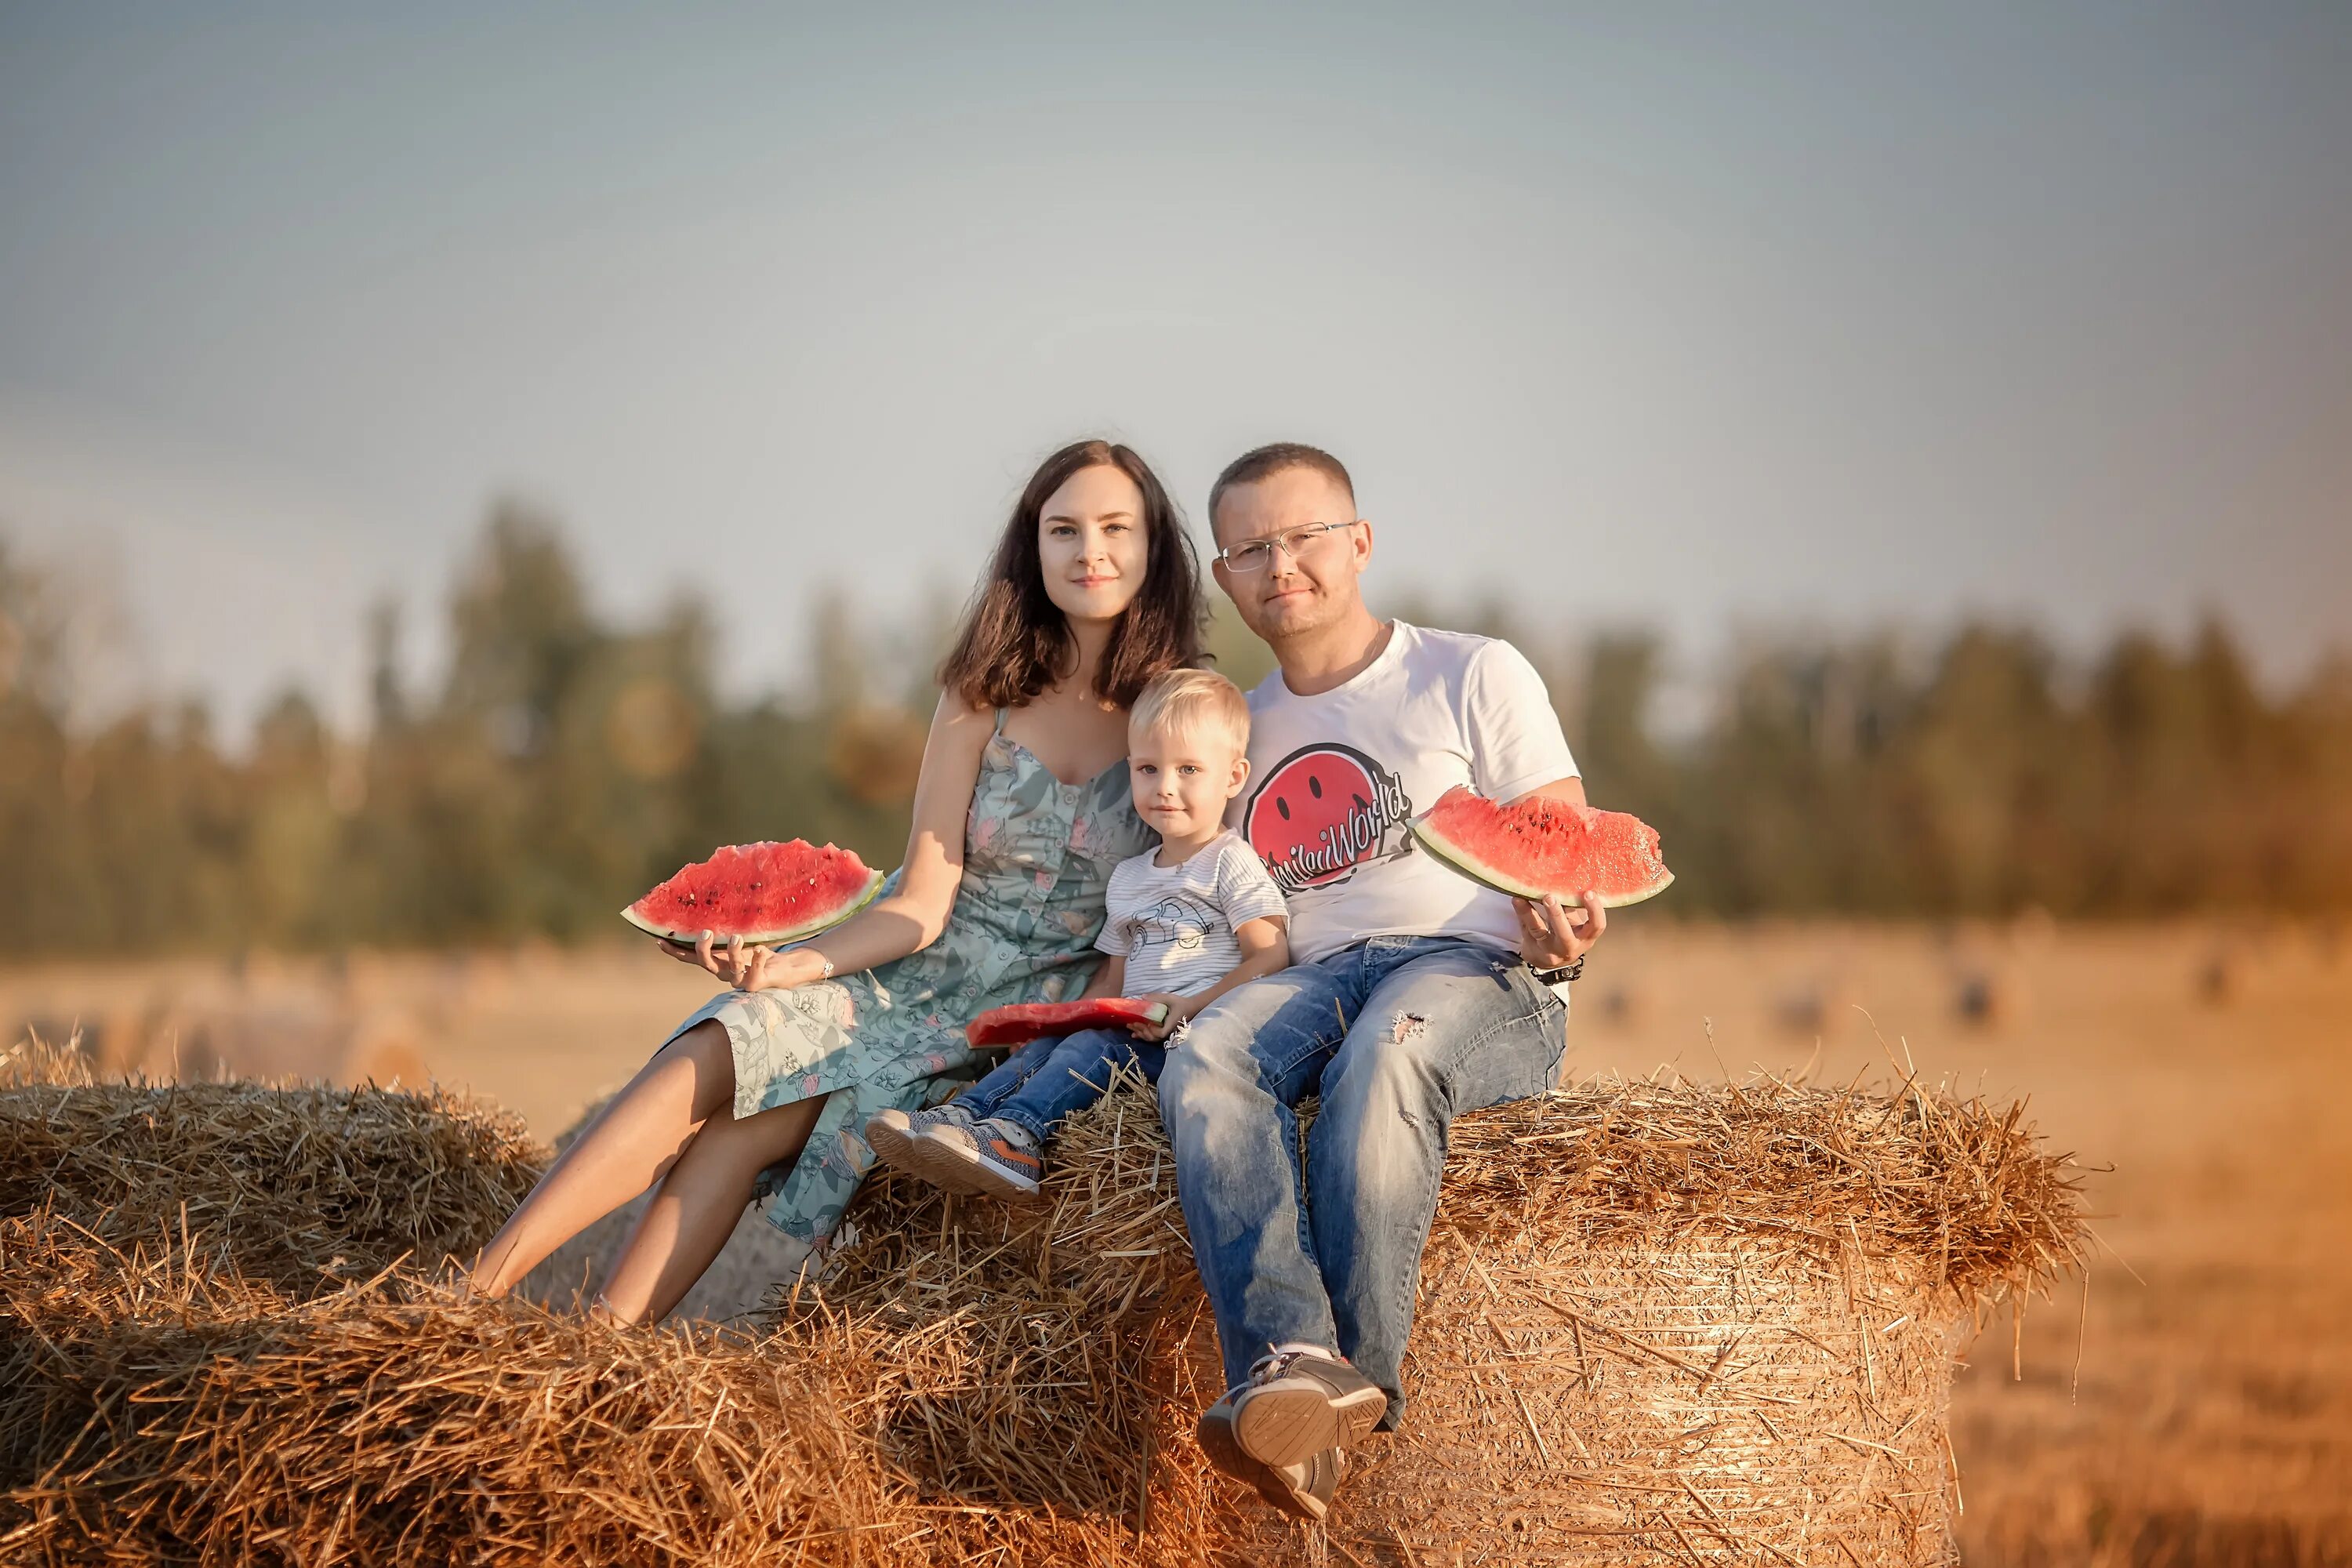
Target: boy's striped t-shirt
x=1174 y=925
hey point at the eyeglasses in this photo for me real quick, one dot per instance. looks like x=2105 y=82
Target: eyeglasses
x=1257 y=554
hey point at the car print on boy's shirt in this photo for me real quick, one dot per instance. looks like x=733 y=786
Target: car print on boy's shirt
x=1178 y=922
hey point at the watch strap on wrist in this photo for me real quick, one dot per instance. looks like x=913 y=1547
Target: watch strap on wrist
x=1562 y=975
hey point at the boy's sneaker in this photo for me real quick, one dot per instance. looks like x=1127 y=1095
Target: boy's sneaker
x=950 y=1150
x=1303 y=1490
x=1298 y=1401
x=893 y=1134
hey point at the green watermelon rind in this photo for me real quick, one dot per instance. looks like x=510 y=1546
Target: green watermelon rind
x=800 y=932
x=1459 y=861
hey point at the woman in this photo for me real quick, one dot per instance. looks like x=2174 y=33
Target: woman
x=1020 y=810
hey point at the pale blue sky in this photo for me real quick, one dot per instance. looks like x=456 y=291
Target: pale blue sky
x=1715 y=317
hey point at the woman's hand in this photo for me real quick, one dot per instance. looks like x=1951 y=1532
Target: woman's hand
x=1180 y=1013
x=1552 y=935
x=749 y=968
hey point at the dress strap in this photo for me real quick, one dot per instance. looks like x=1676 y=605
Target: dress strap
x=1000 y=721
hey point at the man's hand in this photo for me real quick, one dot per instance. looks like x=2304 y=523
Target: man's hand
x=1551 y=934
x=747 y=968
x=1180 y=1013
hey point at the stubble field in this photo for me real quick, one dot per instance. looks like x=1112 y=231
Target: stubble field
x=2195 y=1407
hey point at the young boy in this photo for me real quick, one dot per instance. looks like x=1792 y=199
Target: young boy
x=1184 y=926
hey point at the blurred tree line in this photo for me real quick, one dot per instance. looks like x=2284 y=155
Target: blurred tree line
x=565 y=764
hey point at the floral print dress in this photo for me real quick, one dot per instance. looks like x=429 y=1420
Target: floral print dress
x=1037 y=857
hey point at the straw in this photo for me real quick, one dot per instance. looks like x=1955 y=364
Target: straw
x=1658 y=1322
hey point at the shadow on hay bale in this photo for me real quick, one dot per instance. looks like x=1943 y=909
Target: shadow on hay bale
x=1658 y=1324
x=755 y=1260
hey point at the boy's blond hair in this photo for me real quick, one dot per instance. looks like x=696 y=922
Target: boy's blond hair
x=1192 y=702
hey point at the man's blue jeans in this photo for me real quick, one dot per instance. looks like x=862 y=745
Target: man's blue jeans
x=1398 y=1035
x=1047 y=1079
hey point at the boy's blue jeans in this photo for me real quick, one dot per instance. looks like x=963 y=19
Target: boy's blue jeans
x=1398 y=1035
x=1045 y=1079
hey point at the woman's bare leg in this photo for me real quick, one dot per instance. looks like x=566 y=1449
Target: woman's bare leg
x=636 y=1137
x=694 y=1208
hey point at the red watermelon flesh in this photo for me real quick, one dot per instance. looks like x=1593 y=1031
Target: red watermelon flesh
x=1031 y=1020
x=765 y=893
x=1539 y=845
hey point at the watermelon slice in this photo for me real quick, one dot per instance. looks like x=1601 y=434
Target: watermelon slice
x=765 y=893
x=1539 y=846
x=1030 y=1020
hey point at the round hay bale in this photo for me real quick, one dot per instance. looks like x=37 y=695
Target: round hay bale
x=1656 y=1325
x=157 y=1407
x=165 y=1412
x=1578 y=1403
x=290 y=1183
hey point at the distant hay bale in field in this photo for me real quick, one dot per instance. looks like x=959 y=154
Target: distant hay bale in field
x=1618 y=1005
x=1985 y=998
x=387 y=1063
x=386 y=1047
x=2221 y=977
x=1808 y=1007
x=1658 y=1324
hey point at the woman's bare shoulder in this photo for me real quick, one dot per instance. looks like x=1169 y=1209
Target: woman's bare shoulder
x=955 y=715
x=960 y=734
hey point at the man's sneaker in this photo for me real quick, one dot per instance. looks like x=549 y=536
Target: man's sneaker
x=947 y=1148
x=1216 y=1431
x=1303 y=1490
x=1300 y=1401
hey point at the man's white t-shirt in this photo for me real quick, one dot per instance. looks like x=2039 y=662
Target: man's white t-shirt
x=1334 y=777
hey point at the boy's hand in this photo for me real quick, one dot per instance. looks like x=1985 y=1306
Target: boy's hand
x=1180 y=1013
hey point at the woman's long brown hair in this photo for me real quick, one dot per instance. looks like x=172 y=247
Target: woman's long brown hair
x=1016 y=642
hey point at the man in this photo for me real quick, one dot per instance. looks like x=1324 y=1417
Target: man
x=1415 y=995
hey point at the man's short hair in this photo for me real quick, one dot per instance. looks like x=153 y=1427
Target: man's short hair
x=1265 y=462
x=1192 y=702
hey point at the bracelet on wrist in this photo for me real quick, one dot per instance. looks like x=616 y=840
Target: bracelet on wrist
x=1567 y=971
